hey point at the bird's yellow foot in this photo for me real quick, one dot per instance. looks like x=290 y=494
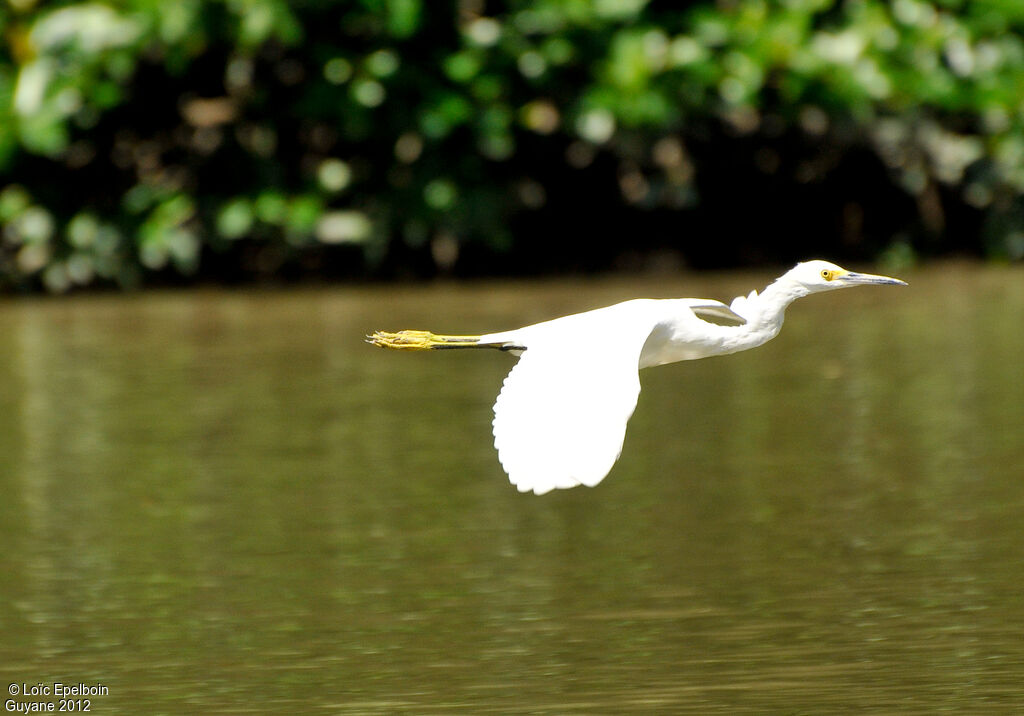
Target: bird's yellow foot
x=402 y=340
x=419 y=340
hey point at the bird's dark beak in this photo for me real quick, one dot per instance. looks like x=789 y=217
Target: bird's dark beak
x=854 y=278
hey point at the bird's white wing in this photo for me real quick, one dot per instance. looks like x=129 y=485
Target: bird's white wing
x=561 y=416
x=718 y=313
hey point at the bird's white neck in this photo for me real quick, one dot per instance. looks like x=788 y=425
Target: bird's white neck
x=765 y=312
x=777 y=296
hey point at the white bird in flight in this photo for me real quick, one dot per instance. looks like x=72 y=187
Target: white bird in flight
x=561 y=416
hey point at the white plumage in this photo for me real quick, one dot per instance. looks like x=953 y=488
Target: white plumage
x=560 y=418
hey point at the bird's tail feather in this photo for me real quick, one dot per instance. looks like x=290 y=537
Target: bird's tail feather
x=427 y=341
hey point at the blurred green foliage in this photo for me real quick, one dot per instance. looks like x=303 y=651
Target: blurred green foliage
x=245 y=137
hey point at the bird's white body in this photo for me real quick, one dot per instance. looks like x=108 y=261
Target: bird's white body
x=669 y=328
x=560 y=418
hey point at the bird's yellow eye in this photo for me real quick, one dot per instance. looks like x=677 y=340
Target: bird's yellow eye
x=828 y=275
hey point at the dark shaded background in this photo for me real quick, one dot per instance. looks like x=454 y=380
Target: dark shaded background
x=147 y=143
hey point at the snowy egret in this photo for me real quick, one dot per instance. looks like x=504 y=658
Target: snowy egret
x=561 y=416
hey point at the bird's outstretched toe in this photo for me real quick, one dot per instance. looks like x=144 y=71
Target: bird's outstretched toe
x=402 y=340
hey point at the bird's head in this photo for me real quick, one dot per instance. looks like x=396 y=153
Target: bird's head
x=817 y=276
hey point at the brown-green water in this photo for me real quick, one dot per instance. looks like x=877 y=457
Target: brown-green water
x=227 y=503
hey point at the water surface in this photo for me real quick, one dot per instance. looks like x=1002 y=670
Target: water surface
x=222 y=502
